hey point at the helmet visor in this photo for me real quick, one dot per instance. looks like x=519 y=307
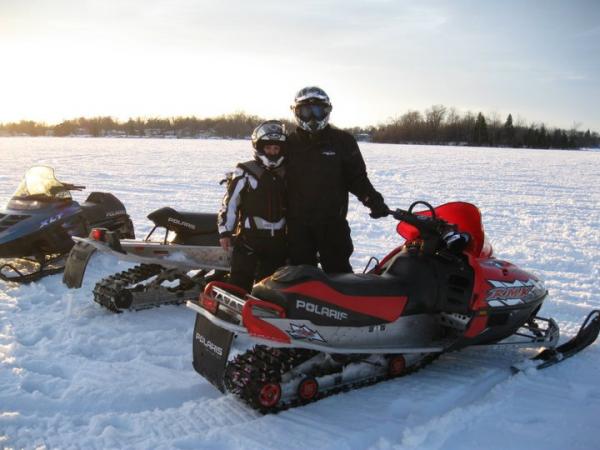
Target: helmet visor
x=270 y=131
x=308 y=111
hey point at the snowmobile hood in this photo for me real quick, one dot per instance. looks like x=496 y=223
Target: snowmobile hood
x=22 y=223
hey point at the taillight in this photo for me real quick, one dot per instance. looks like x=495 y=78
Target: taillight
x=209 y=303
x=98 y=234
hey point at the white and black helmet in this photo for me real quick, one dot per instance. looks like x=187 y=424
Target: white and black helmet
x=311 y=108
x=269 y=132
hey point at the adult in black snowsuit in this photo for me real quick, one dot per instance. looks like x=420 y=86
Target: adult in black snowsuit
x=252 y=217
x=323 y=165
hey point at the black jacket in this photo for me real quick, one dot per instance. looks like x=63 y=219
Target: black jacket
x=321 y=169
x=254 y=201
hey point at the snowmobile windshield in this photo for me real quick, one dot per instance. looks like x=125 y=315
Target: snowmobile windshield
x=465 y=216
x=40 y=184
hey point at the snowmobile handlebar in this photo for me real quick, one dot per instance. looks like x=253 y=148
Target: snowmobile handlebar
x=64 y=187
x=425 y=224
x=73 y=187
x=431 y=228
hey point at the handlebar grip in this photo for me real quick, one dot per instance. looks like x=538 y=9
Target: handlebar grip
x=424 y=224
x=73 y=187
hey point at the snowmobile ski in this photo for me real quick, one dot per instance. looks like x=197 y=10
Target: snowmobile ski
x=27 y=270
x=587 y=335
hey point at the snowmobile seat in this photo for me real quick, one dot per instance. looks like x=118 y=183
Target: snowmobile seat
x=191 y=228
x=184 y=222
x=347 y=283
x=100 y=206
x=418 y=285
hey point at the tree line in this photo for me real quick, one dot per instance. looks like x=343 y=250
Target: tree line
x=437 y=125
x=445 y=126
x=236 y=125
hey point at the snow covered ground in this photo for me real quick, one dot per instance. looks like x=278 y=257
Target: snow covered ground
x=73 y=375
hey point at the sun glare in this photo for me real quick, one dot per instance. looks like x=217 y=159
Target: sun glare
x=72 y=81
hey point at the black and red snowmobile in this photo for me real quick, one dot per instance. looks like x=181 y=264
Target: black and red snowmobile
x=317 y=334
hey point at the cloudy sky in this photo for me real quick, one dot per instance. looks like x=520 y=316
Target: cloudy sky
x=539 y=60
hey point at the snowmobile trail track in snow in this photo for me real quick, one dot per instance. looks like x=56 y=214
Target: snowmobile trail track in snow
x=480 y=369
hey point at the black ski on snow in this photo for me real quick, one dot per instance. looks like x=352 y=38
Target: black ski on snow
x=586 y=335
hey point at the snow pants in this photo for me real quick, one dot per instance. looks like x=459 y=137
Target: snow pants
x=256 y=256
x=330 y=240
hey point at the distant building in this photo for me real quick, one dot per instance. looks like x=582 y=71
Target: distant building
x=115 y=133
x=152 y=132
x=81 y=132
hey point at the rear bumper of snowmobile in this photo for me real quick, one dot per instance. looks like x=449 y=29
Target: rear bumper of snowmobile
x=173 y=256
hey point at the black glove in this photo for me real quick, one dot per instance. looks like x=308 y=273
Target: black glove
x=456 y=242
x=377 y=206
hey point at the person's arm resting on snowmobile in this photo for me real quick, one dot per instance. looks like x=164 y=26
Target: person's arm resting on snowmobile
x=355 y=172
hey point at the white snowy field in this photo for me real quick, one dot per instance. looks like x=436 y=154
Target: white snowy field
x=73 y=375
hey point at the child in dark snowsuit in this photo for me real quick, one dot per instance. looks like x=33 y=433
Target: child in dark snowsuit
x=252 y=217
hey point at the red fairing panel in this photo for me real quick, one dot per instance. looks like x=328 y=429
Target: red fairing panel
x=386 y=308
x=258 y=327
x=465 y=216
x=480 y=285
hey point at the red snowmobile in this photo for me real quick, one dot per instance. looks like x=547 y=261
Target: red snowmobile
x=317 y=334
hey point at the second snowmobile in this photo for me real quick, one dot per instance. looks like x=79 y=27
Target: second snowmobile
x=316 y=334
x=40 y=219
x=171 y=269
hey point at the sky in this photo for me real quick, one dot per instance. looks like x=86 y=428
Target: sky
x=377 y=59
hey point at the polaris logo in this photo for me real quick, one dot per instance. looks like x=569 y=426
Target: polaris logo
x=321 y=310
x=209 y=345
x=120 y=212
x=182 y=223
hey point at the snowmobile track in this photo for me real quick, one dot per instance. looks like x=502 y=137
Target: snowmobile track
x=141 y=287
x=249 y=371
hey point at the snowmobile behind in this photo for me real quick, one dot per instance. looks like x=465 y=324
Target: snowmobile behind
x=40 y=219
x=317 y=334
x=170 y=270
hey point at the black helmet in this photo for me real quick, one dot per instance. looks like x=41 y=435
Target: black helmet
x=269 y=132
x=311 y=108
